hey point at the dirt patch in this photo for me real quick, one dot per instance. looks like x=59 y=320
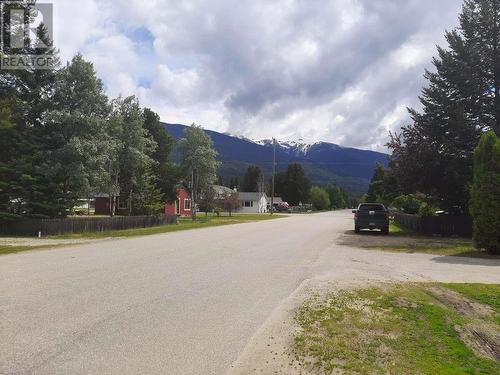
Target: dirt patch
x=482 y=338
x=460 y=303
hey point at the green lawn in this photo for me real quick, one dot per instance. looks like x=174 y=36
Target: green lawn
x=402 y=329
x=203 y=221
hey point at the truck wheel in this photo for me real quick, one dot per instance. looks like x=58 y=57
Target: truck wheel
x=357 y=230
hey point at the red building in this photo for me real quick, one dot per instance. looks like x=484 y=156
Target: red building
x=103 y=205
x=181 y=206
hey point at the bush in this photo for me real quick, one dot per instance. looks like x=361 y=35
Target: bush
x=485 y=194
x=319 y=198
x=427 y=210
x=409 y=204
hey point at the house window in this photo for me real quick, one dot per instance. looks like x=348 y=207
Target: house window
x=248 y=204
x=187 y=204
x=122 y=203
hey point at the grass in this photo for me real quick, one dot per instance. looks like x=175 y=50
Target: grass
x=184 y=224
x=401 y=329
x=440 y=247
x=396 y=230
x=486 y=294
x=7 y=249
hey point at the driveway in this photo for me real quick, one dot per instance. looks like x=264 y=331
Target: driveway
x=184 y=302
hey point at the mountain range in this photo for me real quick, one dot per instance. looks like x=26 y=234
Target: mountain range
x=323 y=162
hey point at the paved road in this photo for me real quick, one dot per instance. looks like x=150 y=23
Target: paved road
x=184 y=302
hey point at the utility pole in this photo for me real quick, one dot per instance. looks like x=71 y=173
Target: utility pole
x=274 y=172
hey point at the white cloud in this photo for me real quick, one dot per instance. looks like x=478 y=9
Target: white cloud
x=338 y=70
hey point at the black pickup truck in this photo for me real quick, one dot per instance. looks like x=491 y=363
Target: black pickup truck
x=371 y=216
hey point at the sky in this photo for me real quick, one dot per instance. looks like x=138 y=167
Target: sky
x=341 y=71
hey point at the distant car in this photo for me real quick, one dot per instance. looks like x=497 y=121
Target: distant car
x=371 y=216
x=281 y=207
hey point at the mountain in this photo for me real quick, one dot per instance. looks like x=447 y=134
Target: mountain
x=323 y=162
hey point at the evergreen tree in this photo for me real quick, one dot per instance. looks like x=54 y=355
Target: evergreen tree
x=485 y=200
x=293 y=185
x=338 y=198
x=13 y=140
x=434 y=154
x=165 y=172
x=234 y=183
x=26 y=97
x=383 y=186
x=252 y=181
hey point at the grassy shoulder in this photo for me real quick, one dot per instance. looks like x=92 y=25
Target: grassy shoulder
x=402 y=329
x=8 y=249
x=203 y=221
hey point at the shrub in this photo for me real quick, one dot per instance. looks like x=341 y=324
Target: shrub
x=319 y=198
x=427 y=210
x=409 y=204
x=485 y=194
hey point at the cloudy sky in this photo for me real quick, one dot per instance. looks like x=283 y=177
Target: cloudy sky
x=334 y=70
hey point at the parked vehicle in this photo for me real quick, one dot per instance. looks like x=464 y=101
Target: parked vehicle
x=371 y=216
x=281 y=207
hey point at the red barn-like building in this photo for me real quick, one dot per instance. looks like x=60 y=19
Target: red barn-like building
x=181 y=206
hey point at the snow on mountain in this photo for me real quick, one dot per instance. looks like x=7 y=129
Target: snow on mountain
x=323 y=162
x=299 y=147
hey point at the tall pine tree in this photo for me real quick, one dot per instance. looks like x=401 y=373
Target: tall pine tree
x=434 y=154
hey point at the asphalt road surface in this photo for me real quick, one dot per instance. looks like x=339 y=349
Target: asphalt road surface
x=185 y=302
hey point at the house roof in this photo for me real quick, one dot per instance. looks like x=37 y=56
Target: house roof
x=220 y=190
x=245 y=196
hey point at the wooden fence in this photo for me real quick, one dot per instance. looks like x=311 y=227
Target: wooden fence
x=445 y=225
x=49 y=227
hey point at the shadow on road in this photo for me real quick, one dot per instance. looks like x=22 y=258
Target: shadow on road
x=365 y=233
x=472 y=258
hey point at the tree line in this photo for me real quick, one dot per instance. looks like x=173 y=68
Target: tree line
x=293 y=186
x=62 y=139
x=438 y=161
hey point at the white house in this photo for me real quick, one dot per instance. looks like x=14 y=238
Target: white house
x=253 y=202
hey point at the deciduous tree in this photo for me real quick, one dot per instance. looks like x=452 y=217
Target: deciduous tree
x=198 y=161
x=319 y=198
